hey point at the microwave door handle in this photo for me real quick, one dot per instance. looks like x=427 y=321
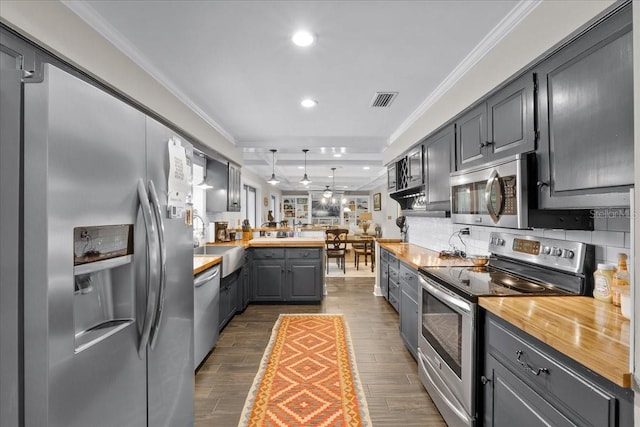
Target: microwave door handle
x=162 y=280
x=152 y=253
x=494 y=178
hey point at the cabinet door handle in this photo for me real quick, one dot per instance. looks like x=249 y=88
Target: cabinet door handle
x=541 y=184
x=528 y=367
x=484 y=380
x=486 y=144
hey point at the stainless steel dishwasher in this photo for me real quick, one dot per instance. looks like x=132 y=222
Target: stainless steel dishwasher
x=206 y=307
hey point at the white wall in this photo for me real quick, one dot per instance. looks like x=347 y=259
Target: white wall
x=56 y=28
x=386 y=217
x=549 y=23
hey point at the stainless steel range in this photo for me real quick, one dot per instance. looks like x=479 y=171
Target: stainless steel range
x=448 y=336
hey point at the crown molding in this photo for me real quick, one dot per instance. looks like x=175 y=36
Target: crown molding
x=504 y=27
x=89 y=15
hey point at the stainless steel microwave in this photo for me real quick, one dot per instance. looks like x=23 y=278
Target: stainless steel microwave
x=494 y=194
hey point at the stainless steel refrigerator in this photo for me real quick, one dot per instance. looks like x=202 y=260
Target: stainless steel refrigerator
x=102 y=283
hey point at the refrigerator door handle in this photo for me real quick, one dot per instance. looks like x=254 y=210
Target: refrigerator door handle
x=162 y=281
x=152 y=255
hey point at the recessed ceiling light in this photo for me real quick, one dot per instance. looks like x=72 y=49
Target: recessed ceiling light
x=300 y=167
x=308 y=103
x=366 y=168
x=303 y=38
x=337 y=155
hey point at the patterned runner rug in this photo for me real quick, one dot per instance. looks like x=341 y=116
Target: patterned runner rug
x=307 y=377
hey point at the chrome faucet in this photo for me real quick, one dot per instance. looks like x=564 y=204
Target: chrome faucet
x=202 y=233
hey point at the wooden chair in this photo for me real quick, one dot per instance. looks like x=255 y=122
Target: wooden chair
x=363 y=249
x=336 y=242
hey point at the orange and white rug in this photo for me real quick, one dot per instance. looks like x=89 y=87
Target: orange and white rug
x=307 y=377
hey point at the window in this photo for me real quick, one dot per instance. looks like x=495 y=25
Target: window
x=274 y=207
x=249 y=211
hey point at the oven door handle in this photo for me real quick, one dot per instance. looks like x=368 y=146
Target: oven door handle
x=494 y=178
x=457 y=304
x=444 y=396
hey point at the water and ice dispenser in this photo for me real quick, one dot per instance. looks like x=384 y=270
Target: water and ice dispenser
x=104 y=293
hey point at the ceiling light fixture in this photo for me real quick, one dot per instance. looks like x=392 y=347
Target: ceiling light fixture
x=308 y=103
x=305 y=179
x=328 y=193
x=337 y=155
x=303 y=38
x=273 y=180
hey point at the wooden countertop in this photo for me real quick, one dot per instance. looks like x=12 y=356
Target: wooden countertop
x=417 y=256
x=589 y=331
x=269 y=242
x=202 y=262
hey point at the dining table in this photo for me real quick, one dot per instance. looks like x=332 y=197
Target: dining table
x=368 y=241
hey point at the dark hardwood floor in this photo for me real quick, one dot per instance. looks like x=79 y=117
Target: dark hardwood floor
x=388 y=372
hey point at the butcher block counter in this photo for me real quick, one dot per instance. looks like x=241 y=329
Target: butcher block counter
x=417 y=256
x=269 y=242
x=589 y=331
x=203 y=262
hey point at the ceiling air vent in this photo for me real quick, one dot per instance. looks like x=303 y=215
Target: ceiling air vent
x=383 y=99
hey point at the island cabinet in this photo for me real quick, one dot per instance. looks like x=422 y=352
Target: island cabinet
x=287 y=274
x=408 y=279
x=499 y=126
x=585 y=105
x=528 y=383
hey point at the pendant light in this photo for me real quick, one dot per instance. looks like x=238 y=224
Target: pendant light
x=328 y=193
x=305 y=179
x=273 y=180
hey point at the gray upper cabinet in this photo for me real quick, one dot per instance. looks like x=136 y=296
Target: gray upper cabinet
x=502 y=125
x=225 y=178
x=511 y=128
x=391 y=177
x=586 y=119
x=472 y=135
x=439 y=162
x=414 y=167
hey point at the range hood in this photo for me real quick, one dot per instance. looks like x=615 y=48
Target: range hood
x=413 y=202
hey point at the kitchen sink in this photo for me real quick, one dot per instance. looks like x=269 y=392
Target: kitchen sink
x=232 y=256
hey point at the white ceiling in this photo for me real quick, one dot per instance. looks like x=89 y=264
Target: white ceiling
x=234 y=64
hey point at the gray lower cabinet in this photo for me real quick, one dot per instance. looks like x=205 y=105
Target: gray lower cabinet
x=245 y=289
x=527 y=383
x=585 y=104
x=287 y=274
x=383 y=272
x=409 y=308
x=229 y=290
x=394 y=281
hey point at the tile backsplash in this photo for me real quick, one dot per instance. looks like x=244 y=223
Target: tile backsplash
x=611 y=235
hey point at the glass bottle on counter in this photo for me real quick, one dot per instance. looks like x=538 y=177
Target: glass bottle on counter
x=602 y=280
x=620 y=279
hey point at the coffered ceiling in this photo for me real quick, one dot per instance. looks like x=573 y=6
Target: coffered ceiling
x=234 y=64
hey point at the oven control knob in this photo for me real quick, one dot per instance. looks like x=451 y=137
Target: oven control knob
x=546 y=250
x=566 y=253
x=556 y=251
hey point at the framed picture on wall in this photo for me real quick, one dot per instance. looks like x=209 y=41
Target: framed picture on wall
x=377 y=202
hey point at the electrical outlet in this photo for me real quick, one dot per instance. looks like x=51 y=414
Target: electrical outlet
x=465 y=231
